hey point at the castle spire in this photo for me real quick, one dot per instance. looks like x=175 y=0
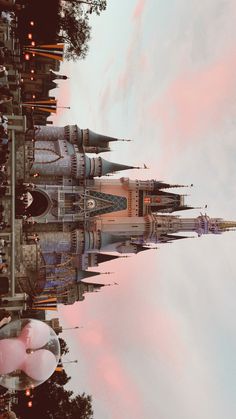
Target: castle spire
x=85 y=274
x=202 y=224
x=104 y=257
x=162 y=185
x=101 y=167
x=206 y=225
x=110 y=167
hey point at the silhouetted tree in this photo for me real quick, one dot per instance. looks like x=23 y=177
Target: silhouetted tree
x=52 y=400
x=74 y=24
x=64 y=348
x=67 y=21
x=75 y=32
x=91 y=6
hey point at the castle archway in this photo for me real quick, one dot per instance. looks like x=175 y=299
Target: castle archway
x=33 y=203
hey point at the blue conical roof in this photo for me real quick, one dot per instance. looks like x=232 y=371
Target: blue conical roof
x=110 y=167
x=85 y=274
x=99 y=139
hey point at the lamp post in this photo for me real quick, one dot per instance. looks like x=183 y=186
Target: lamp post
x=70 y=362
x=72 y=328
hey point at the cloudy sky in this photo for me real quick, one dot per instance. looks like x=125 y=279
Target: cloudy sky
x=162 y=344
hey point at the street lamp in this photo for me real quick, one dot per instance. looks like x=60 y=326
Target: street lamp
x=70 y=362
x=72 y=328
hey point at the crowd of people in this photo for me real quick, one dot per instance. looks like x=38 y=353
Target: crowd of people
x=23 y=202
x=3 y=256
x=4 y=156
x=4 y=139
x=6 y=99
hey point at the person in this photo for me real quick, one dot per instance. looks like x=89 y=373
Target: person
x=3 y=267
x=3 y=71
x=5 y=317
x=4 y=140
x=4 y=225
x=3 y=190
x=8 y=415
x=3 y=243
x=5 y=99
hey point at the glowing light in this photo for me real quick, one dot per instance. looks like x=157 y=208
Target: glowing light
x=31 y=78
x=30 y=404
x=30 y=36
x=32 y=71
x=33 y=43
x=31 y=23
x=27 y=393
x=27 y=57
x=33 y=96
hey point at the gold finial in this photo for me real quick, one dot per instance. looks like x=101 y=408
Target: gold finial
x=227 y=225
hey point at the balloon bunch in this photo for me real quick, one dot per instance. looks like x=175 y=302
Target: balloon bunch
x=26 y=352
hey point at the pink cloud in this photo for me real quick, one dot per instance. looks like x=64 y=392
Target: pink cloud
x=63 y=99
x=135 y=62
x=197 y=101
x=105 y=98
x=104 y=340
x=109 y=372
x=139 y=9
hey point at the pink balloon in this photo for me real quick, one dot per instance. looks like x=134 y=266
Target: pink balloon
x=40 y=365
x=35 y=335
x=12 y=355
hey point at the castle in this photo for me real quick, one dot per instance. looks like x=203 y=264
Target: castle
x=74 y=217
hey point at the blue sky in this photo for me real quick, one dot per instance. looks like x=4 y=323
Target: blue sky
x=162 y=344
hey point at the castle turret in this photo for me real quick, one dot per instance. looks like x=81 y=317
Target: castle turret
x=201 y=225
x=100 y=167
x=85 y=139
x=103 y=257
x=76 y=291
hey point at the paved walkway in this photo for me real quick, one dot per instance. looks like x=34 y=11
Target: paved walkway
x=13 y=181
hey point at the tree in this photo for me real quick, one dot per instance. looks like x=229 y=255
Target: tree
x=74 y=25
x=75 y=32
x=67 y=21
x=64 y=348
x=92 y=6
x=52 y=400
x=82 y=404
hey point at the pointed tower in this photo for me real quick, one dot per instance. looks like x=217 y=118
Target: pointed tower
x=101 y=167
x=85 y=139
x=76 y=292
x=163 y=226
x=103 y=257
